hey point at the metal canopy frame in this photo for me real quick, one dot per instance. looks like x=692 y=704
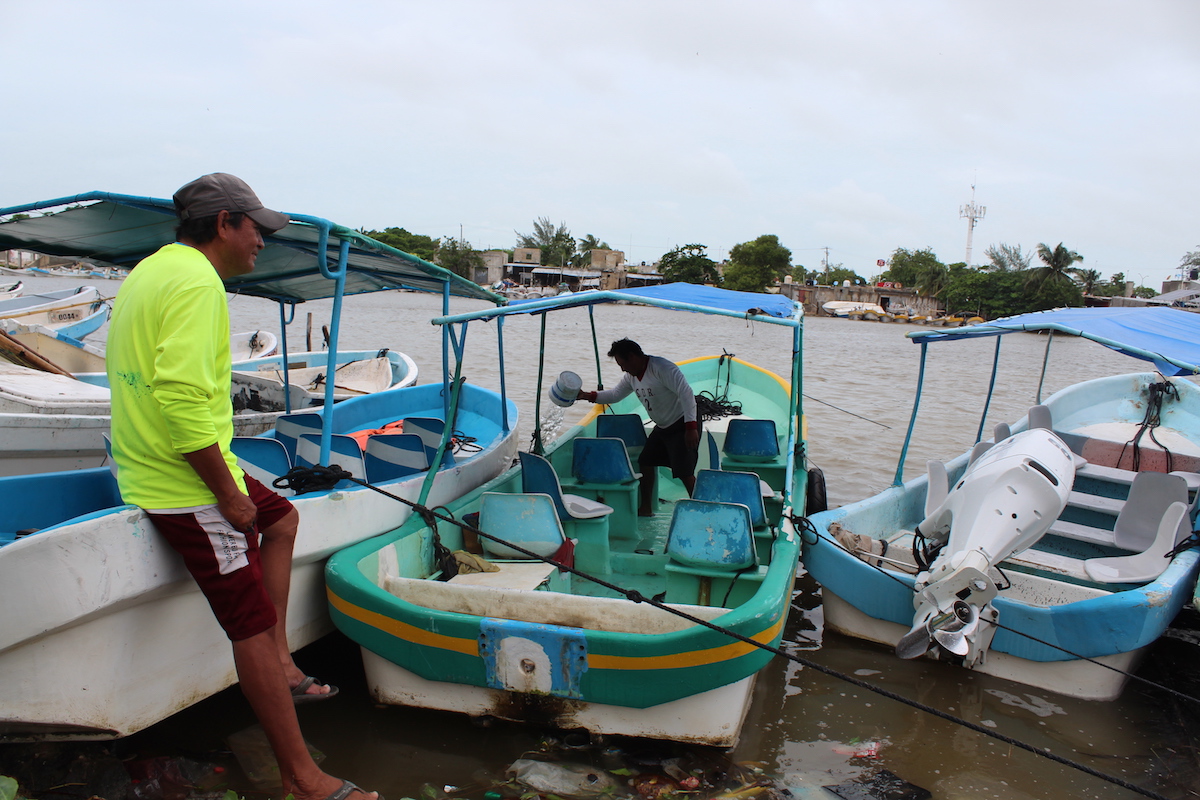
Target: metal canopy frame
x=311 y=258
x=590 y=300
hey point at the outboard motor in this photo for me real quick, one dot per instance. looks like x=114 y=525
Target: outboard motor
x=1005 y=501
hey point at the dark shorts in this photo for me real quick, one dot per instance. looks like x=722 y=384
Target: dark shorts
x=225 y=562
x=667 y=447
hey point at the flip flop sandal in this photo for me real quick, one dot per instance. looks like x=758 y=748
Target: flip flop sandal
x=300 y=694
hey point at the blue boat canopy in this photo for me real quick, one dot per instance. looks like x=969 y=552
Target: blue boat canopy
x=1168 y=337
x=298 y=263
x=681 y=296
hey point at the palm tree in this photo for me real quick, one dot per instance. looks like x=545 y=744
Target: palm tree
x=1006 y=258
x=1088 y=278
x=1059 y=267
x=932 y=279
x=583 y=254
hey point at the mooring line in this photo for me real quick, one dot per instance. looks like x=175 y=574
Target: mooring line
x=318 y=478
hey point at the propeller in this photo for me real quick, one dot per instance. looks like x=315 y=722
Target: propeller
x=948 y=629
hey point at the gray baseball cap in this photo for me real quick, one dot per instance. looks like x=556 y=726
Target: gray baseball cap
x=220 y=191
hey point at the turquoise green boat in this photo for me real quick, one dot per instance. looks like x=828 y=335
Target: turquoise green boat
x=535 y=643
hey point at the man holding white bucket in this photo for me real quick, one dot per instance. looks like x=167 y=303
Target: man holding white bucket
x=668 y=399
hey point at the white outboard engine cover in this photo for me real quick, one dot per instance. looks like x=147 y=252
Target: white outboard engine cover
x=1004 y=502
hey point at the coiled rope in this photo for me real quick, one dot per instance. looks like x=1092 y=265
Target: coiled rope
x=335 y=474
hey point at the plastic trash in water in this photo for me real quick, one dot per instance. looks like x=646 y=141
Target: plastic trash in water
x=562 y=779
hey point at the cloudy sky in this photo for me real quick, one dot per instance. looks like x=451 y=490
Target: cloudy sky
x=857 y=126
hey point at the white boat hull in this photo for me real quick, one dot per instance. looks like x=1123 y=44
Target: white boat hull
x=100 y=655
x=710 y=718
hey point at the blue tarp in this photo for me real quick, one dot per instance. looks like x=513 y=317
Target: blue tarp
x=1166 y=336
x=668 y=295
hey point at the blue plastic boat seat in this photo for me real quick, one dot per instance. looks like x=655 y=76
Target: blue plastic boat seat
x=343 y=451
x=714 y=455
x=526 y=520
x=751 y=440
x=629 y=428
x=289 y=428
x=431 y=430
x=602 y=460
x=728 y=486
x=262 y=458
x=711 y=535
x=389 y=456
x=584 y=520
x=712 y=555
x=601 y=471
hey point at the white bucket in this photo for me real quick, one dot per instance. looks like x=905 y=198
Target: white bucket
x=566 y=389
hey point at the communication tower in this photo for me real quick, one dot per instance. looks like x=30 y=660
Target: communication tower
x=972 y=213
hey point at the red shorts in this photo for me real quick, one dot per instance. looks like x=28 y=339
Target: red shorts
x=225 y=562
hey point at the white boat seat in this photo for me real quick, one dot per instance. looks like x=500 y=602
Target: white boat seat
x=1001 y=432
x=1108 y=474
x=939 y=486
x=1082 y=533
x=1146 y=565
x=1040 y=417
x=979 y=449
x=1152 y=521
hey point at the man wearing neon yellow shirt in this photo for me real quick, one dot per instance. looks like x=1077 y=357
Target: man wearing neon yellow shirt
x=169 y=368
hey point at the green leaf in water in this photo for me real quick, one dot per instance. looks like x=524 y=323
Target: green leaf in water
x=8 y=788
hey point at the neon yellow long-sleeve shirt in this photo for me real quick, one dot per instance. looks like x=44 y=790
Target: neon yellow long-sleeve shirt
x=169 y=370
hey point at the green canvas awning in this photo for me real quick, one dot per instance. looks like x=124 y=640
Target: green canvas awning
x=120 y=230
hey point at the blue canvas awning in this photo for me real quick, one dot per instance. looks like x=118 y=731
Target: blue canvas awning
x=679 y=296
x=1168 y=337
x=121 y=230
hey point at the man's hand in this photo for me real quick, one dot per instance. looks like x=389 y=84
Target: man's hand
x=691 y=437
x=589 y=396
x=241 y=513
x=234 y=506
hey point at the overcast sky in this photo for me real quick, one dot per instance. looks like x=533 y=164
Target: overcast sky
x=857 y=126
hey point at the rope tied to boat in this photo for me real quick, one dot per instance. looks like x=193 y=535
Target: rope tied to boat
x=802 y=525
x=1158 y=392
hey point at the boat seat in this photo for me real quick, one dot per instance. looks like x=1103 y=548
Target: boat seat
x=629 y=428
x=728 y=486
x=526 y=520
x=601 y=470
x=262 y=458
x=343 y=451
x=712 y=556
x=1001 y=432
x=389 y=456
x=939 y=486
x=431 y=430
x=1097 y=503
x=583 y=519
x=979 y=449
x=1040 y=416
x=1141 y=528
x=751 y=441
x=714 y=455
x=289 y=428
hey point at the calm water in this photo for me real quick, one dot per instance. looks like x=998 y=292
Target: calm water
x=804 y=726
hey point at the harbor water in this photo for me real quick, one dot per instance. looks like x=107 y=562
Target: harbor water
x=805 y=728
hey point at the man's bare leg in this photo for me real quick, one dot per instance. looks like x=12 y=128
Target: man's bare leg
x=264 y=685
x=278 y=543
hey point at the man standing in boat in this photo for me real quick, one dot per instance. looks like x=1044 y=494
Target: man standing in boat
x=169 y=367
x=668 y=399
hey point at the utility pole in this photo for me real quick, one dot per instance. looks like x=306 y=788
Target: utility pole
x=826 y=262
x=972 y=213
